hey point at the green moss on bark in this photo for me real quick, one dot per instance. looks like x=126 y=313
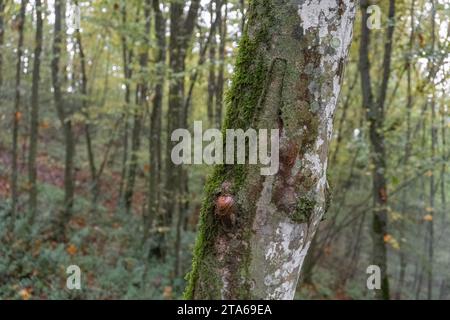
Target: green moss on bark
x=248 y=81
x=304 y=211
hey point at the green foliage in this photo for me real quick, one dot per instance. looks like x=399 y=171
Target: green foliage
x=108 y=254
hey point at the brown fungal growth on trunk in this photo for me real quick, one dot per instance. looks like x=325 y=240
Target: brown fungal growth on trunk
x=225 y=207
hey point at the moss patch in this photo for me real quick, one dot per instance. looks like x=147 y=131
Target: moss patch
x=304 y=210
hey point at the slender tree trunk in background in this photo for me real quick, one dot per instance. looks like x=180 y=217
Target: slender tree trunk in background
x=221 y=72
x=181 y=30
x=340 y=127
x=408 y=147
x=34 y=119
x=212 y=66
x=64 y=118
x=375 y=116
x=202 y=59
x=142 y=91
x=183 y=202
x=17 y=113
x=256 y=230
x=420 y=264
x=430 y=223
x=87 y=127
x=309 y=263
x=2 y=37
x=444 y=119
x=127 y=58
x=154 y=198
x=434 y=134
x=242 y=7
x=176 y=96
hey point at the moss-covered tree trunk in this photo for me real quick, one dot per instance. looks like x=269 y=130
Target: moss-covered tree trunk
x=255 y=230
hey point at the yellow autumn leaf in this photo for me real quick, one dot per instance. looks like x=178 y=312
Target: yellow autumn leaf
x=44 y=125
x=428 y=217
x=429 y=173
x=429 y=209
x=72 y=249
x=394 y=244
x=395 y=216
x=388 y=239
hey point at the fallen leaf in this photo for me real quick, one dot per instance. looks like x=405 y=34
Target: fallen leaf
x=18 y=115
x=391 y=241
x=168 y=292
x=72 y=249
x=25 y=294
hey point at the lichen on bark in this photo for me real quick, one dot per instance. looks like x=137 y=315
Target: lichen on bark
x=287 y=77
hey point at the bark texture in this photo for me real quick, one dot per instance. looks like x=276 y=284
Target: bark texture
x=288 y=77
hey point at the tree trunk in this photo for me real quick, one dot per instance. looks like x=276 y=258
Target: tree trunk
x=154 y=198
x=375 y=117
x=141 y=101
x=242 y=9
x=408 y=150
x=87 y=126
x=212 y=66
x=34 y=120
x=181 y=30
x=2 y=37
x=287 y=77
x=17 y=113
x=127 y=58
x=221 y=72
x=65 y=120
x=434 y=134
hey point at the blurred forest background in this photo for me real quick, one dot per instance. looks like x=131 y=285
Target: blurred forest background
x=91 y=90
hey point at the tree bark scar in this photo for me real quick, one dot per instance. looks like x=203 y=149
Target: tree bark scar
x=270 y=102
x=341 y=8
x=288 y=180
